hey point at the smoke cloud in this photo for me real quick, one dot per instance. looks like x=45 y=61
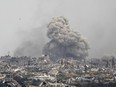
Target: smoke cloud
x=31 y=34
x=64 y=42
x=32 y=44
x=95 y=19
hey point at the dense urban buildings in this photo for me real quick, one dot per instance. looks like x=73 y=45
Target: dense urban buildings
x=66 y=72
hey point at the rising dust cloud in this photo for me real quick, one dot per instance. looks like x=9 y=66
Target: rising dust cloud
x=64 y=42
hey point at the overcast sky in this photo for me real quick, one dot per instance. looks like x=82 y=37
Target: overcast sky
x=95 y=19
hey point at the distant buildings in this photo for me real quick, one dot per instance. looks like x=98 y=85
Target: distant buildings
x=65 y=72
x=19 y=61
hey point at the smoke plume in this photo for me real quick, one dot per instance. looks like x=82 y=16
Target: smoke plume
x=32 y=43
x=64 y=42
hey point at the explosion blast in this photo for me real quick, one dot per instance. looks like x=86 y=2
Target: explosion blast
x=64 y=42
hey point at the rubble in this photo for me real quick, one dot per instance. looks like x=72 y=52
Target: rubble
x=66 y=72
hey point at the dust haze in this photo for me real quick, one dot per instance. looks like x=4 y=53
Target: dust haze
x=95 y=19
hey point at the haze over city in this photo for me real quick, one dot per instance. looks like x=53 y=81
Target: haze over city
x=23 y=21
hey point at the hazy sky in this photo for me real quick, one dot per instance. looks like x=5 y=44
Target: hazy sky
x=95 y=19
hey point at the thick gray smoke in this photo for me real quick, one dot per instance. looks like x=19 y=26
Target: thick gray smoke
x=63 y=41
